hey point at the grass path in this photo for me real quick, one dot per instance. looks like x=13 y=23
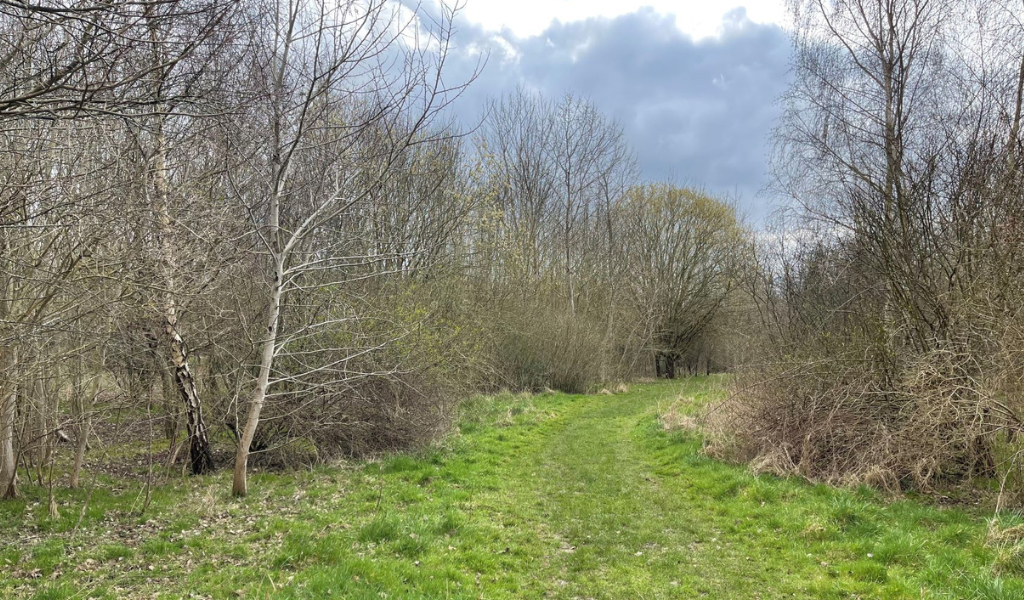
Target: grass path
x=538 y=497
x=635 y=534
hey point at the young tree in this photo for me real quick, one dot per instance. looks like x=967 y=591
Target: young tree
x=346 y=89
x=183 y=63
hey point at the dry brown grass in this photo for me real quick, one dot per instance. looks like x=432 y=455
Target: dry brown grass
x=998 y=535
x=837 y=421
x=674 y=419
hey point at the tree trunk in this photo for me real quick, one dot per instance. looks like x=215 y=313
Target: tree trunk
x=670 y=366
x=42 y=408
x=200 y=457
x=169 y=400
x=239 y=485
x=81 y=445
x=8 y=413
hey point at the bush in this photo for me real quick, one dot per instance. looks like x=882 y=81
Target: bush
x=837 y=420
x=547 y=349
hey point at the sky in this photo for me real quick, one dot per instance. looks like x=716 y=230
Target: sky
x=693 y=84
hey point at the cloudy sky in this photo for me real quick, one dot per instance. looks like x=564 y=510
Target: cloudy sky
x=694 y=84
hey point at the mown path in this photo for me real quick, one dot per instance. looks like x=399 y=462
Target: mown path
x=628 y=527
x=574 y=497
x=634 y=533
x=638 y=512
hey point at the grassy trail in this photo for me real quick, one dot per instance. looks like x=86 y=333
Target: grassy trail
x=635 y=533
x=538 y=497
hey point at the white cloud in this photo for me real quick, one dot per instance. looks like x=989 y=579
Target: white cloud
x=697 y=18
x=408 y=26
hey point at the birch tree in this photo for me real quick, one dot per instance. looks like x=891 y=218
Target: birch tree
x=180 y=63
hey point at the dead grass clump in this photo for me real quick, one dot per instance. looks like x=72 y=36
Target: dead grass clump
x=880 y=478
x=777 y=462
x=1009 y=545
x=674 y=419
x=815 y=531
x=521 y=404
x=998 y=535
x=205 y=501
x=1010 y=560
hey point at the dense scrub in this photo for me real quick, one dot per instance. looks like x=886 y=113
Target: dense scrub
x=890 y=293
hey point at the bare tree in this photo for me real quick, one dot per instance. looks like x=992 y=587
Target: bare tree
x=890 y=304
x=66 y=59
x=683 y=250
x=348 y=89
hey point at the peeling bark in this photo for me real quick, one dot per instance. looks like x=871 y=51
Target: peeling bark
x=200 y=456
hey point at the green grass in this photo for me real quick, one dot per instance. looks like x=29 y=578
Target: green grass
x=550 y=496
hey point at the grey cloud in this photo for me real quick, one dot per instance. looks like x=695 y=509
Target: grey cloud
x=697 y=112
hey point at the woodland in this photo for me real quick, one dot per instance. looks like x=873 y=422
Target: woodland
x=236 y=231
x=244 y=236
